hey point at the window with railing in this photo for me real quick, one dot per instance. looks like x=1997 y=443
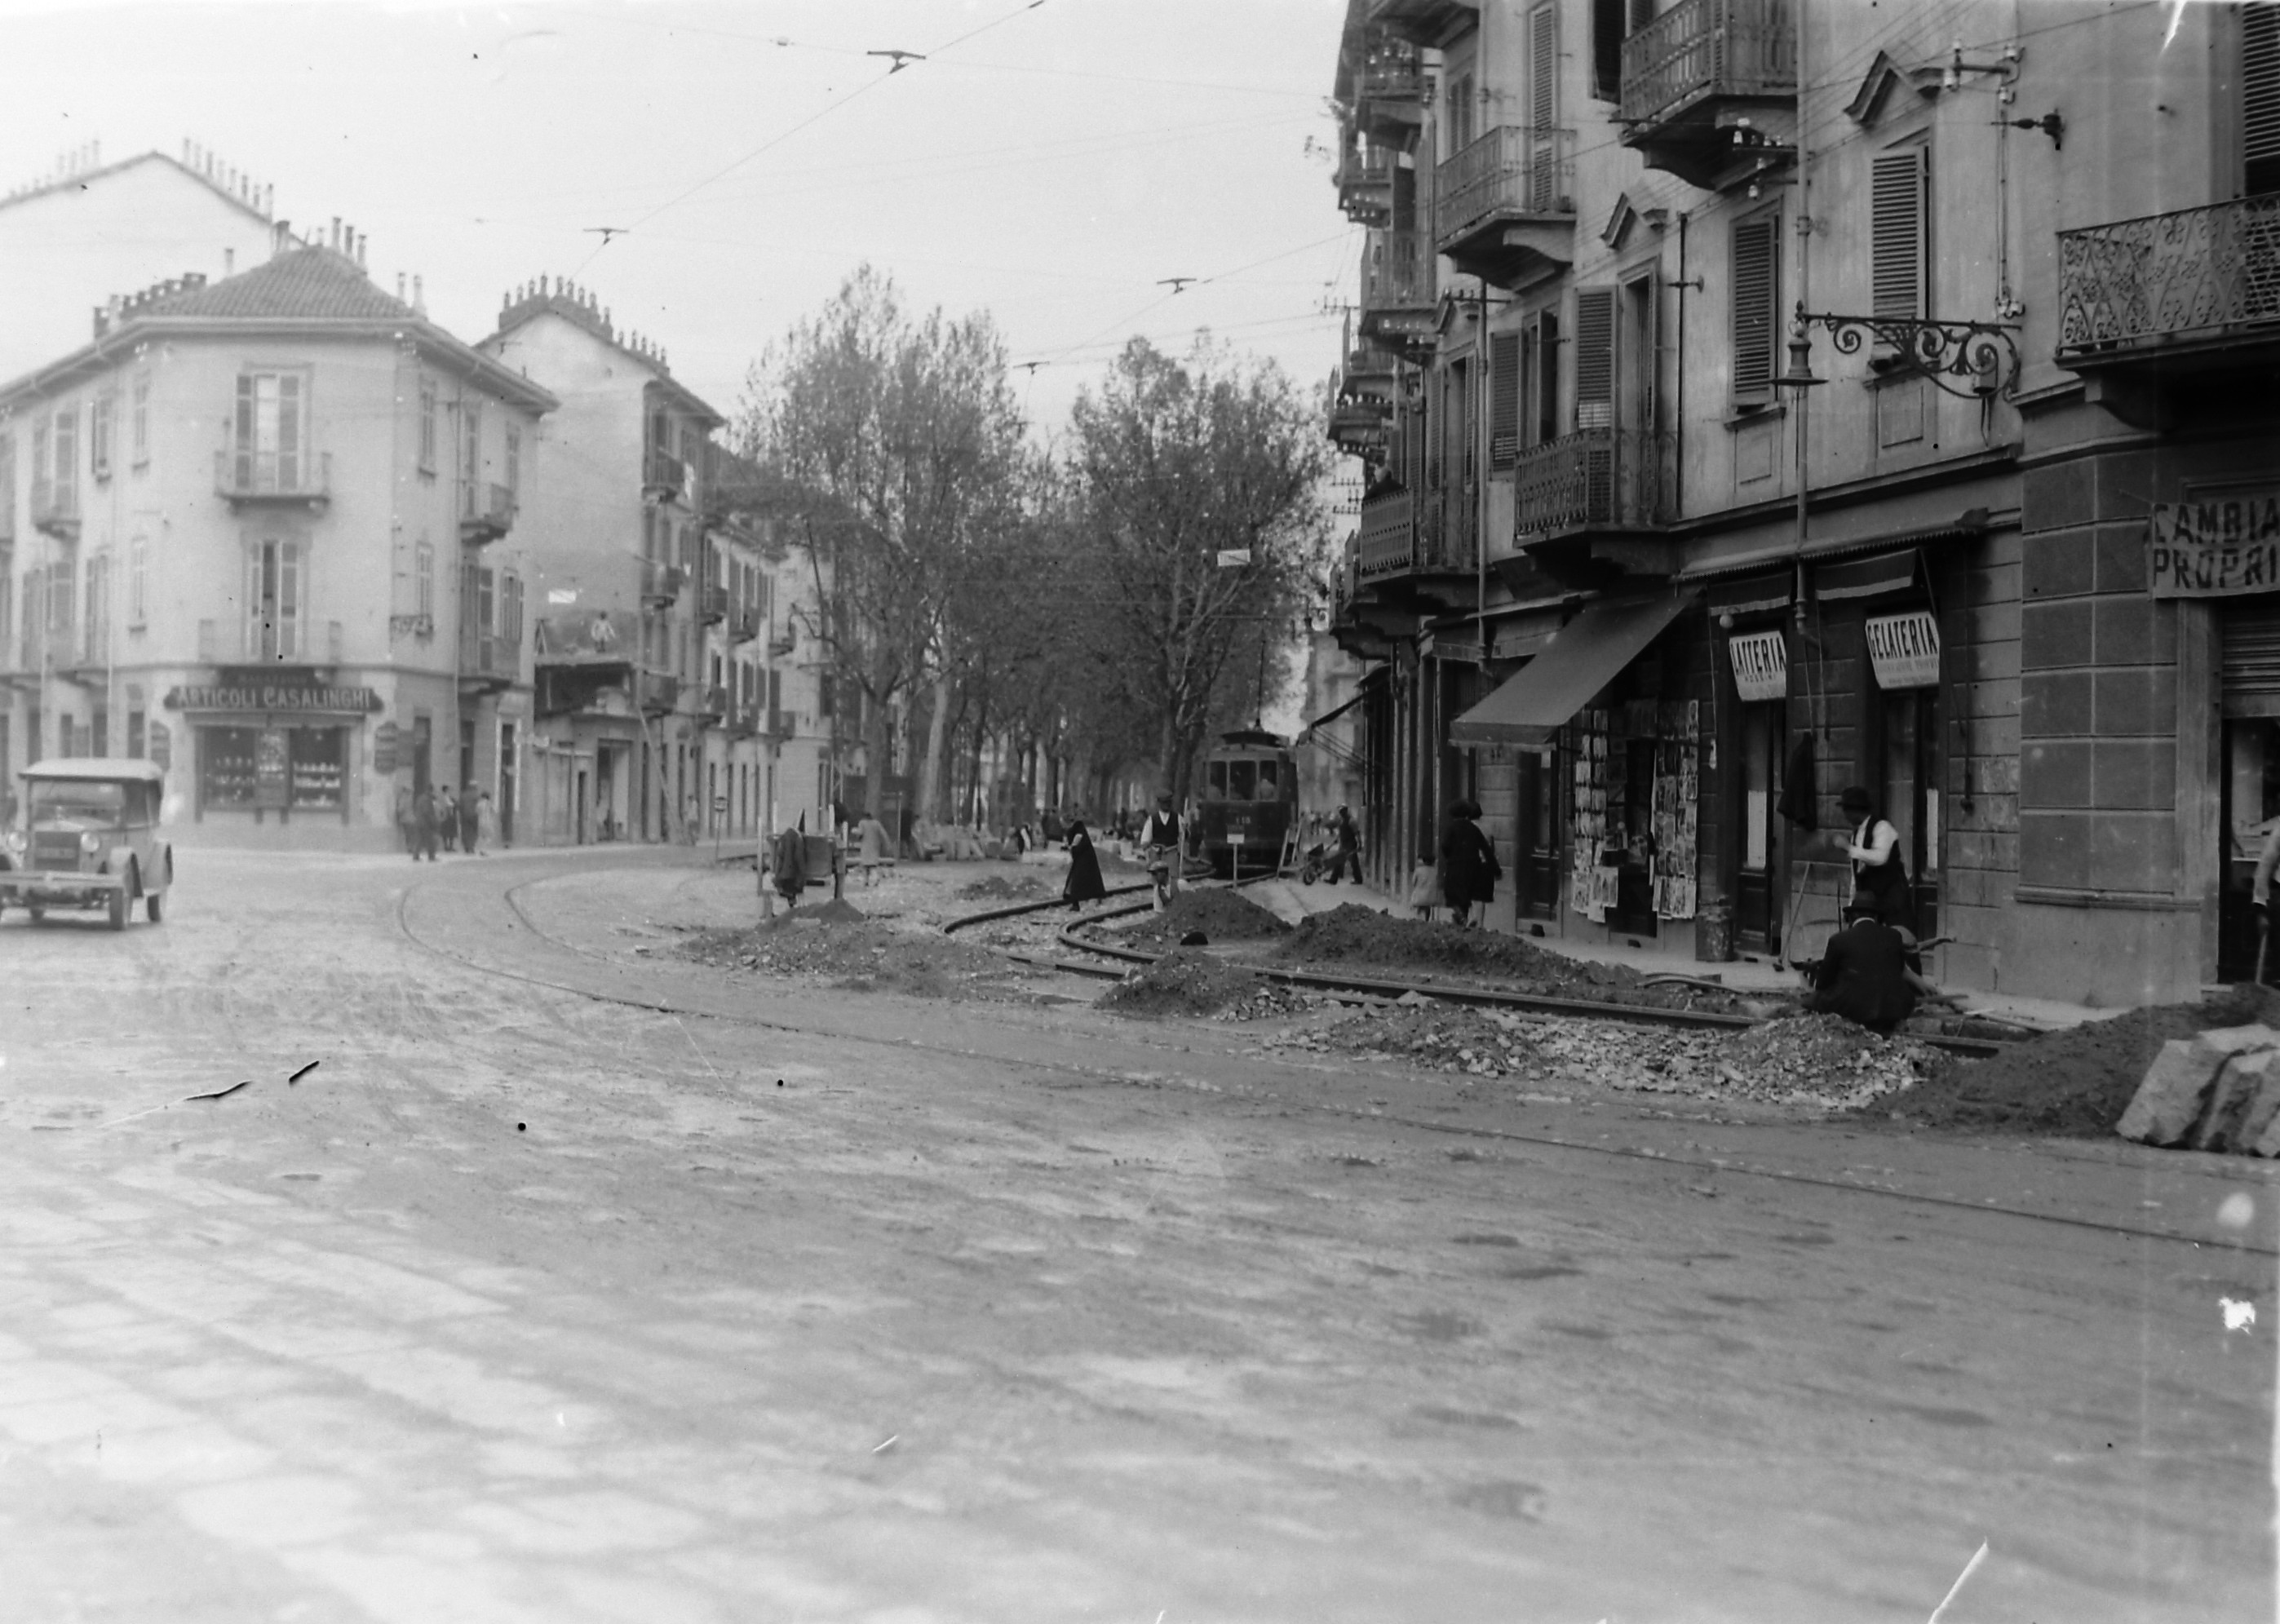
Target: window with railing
x=274 y=582
x=95 y=633
x=423 y=581
x=269 y=453
x=426 y=426
x=471 y=458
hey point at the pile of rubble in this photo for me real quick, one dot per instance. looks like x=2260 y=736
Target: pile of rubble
x=1185 y=982
x=1359 y=937
x=1821 y=1062
x=998 y=888
x=853 y=953
x=1220 y=915
x=1273 y=1000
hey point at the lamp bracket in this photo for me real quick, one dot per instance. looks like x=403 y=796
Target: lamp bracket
x=1986 y=352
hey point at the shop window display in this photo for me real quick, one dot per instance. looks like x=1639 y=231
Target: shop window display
x=316 y=769
x=226 y=766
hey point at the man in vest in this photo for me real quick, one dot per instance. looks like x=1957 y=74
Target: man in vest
x=1159 y=847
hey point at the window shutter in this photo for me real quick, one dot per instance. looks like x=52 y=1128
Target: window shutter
x=1504 y=399
x=1757 y=301
x=289 y=432
x=289 y=600
x=2259 y=98
x=1595 y=357
x=245 y=431
x=1543 y=67
x=1896 y=233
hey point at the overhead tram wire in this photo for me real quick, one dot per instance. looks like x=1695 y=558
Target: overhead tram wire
x=683 y=195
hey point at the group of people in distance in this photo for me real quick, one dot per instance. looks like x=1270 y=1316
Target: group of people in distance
x=435 y=818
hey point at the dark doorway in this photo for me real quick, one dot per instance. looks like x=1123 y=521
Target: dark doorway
x=1910 y=793
x=1537 y=838
x=2251 y=796
x=1755 y=926
x=508 y=782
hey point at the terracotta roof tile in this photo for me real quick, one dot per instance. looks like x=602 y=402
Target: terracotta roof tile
x=304 y=284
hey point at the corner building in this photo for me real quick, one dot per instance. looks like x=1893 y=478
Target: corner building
x=258 y=532
x=1655 y=586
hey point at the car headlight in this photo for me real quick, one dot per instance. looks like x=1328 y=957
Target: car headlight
x=90 y=843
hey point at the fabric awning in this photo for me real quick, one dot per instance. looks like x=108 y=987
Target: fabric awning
x=1893 y=572
x=1327 y=716
x=1751 y=594
x=1582 y=657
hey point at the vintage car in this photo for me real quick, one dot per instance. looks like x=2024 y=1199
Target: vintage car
x=88 y=839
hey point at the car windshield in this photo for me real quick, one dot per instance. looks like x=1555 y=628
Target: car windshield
x=103 y=805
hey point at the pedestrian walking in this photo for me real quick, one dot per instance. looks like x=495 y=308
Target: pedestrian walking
x=1346 y=853
x=1084 y=882
x=1161 y=853
x=447 y=819
x=487 y=824
x=789 y=859
x=470 y=810
x=1469 y=869
x=1877 y=868
x=407 y=824
x=425 y=810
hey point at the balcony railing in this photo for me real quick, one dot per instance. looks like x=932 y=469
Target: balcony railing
x=249 y=477
x=1365 y=182
x=712 y=702
x=743 y=721
x=55 y=509
x=1595 y=476
x=660 y=583
x=1707 y=48
x=486 y=512
x=1369 y=372
x=713 y=604
x=2181 y=280
x=486 y=657
x=1397 y=272
x=1508 y=171
x=1400 y=534
x=1391 y=71
x=1357 y=425
x=744 y=626
x=667 y=476
x=657 y=694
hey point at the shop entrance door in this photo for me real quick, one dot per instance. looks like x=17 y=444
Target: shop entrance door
x=578 y=804
x=2251 y=797
x=1911 y=793
x=508 y=780
x=1757 y=925
x=1537 y=842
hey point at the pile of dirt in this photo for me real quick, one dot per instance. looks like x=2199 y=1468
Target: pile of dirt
x=998 y=887
x=838 y=911
x=2075 y=1082
x=1361 y=937
x=1223 y=916
x=861 y=956
x=1185 y=982
x=1439 y=1037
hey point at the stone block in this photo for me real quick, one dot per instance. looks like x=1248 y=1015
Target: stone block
x=1993 y=661
x=2143 y=702
x=2125 y=484
x=2053 y=635
x=2134 y=774
x=2177 y=1086
x=2128 y=631
x=2133 y=851
x=2056 y=772
x=2054 y=849
x=2056 y=705
x=2246 y=1099
x=2055 y=497
x=1998 y=776
x=2058 y=564
x=2118 y=554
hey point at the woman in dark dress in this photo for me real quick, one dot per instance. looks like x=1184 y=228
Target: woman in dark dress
x=1084 y=882
x=1469 y=869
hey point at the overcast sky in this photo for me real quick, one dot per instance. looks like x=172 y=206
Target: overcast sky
x=1048 y=162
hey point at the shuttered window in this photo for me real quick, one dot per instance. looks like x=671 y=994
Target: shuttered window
x=1504 y=398
x=2259 y=98
x=1607 y=49
x=1757 y=305
x=1595 y=357
x=2250 y=662
x=1897 y=248
x=1543 y=67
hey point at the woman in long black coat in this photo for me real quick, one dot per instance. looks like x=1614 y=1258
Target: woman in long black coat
x=1469 y=869
x=1084 y=882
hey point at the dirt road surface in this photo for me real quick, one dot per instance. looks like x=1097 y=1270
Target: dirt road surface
x=575 y=1283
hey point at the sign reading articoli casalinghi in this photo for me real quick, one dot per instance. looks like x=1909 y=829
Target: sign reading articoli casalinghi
x=2215 y=547
x=271 y=697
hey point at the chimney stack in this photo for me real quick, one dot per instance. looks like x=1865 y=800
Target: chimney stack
x=418 y=296
x=229 y=262
x=399 y=287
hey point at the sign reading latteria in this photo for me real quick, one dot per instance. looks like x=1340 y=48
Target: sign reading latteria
x=1760 y=665
x=1904 y=649
x=2217 y=547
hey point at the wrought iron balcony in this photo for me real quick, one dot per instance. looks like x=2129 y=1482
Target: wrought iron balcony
x=660 y=583
x=1425 y=22
x=486 y=661
x=713 y=604
x=1401 y=535
x=1696 y=64
x=1505 y=206
x=249 y=477
x=666 y=478
x=1369 y=374
x=55 y=509
x=1359 y=426
x=1593 y=479
x=1389 y=90
x=1365 y=182
x=486 y=513
x=2194 y=283
x=1396 y=287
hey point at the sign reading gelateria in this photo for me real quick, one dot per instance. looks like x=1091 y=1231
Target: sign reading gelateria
x=1904 y=649
x=1760 y=665
x=271 y=696
x=2215 y=547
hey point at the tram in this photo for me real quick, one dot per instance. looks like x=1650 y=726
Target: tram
x=1248 y=801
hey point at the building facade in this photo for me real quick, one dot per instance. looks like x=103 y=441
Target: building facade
x=260 y=531
x=1749 y=389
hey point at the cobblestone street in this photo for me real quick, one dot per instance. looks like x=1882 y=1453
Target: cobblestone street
x=573 y=1284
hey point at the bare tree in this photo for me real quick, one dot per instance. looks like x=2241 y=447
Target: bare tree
x=891 y=446
x=1198 y=482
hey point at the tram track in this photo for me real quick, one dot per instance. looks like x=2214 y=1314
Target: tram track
x=1292 y=1103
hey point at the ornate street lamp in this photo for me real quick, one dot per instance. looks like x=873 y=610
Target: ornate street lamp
x=1984 y=353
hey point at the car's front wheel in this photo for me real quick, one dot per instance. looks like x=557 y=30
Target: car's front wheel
x=118 y=906
x=154 y=904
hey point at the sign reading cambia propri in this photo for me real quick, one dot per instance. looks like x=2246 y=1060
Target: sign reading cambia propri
x=2215 y=547
x=1760 y=665
x=271 y=697
x=1904 y=649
